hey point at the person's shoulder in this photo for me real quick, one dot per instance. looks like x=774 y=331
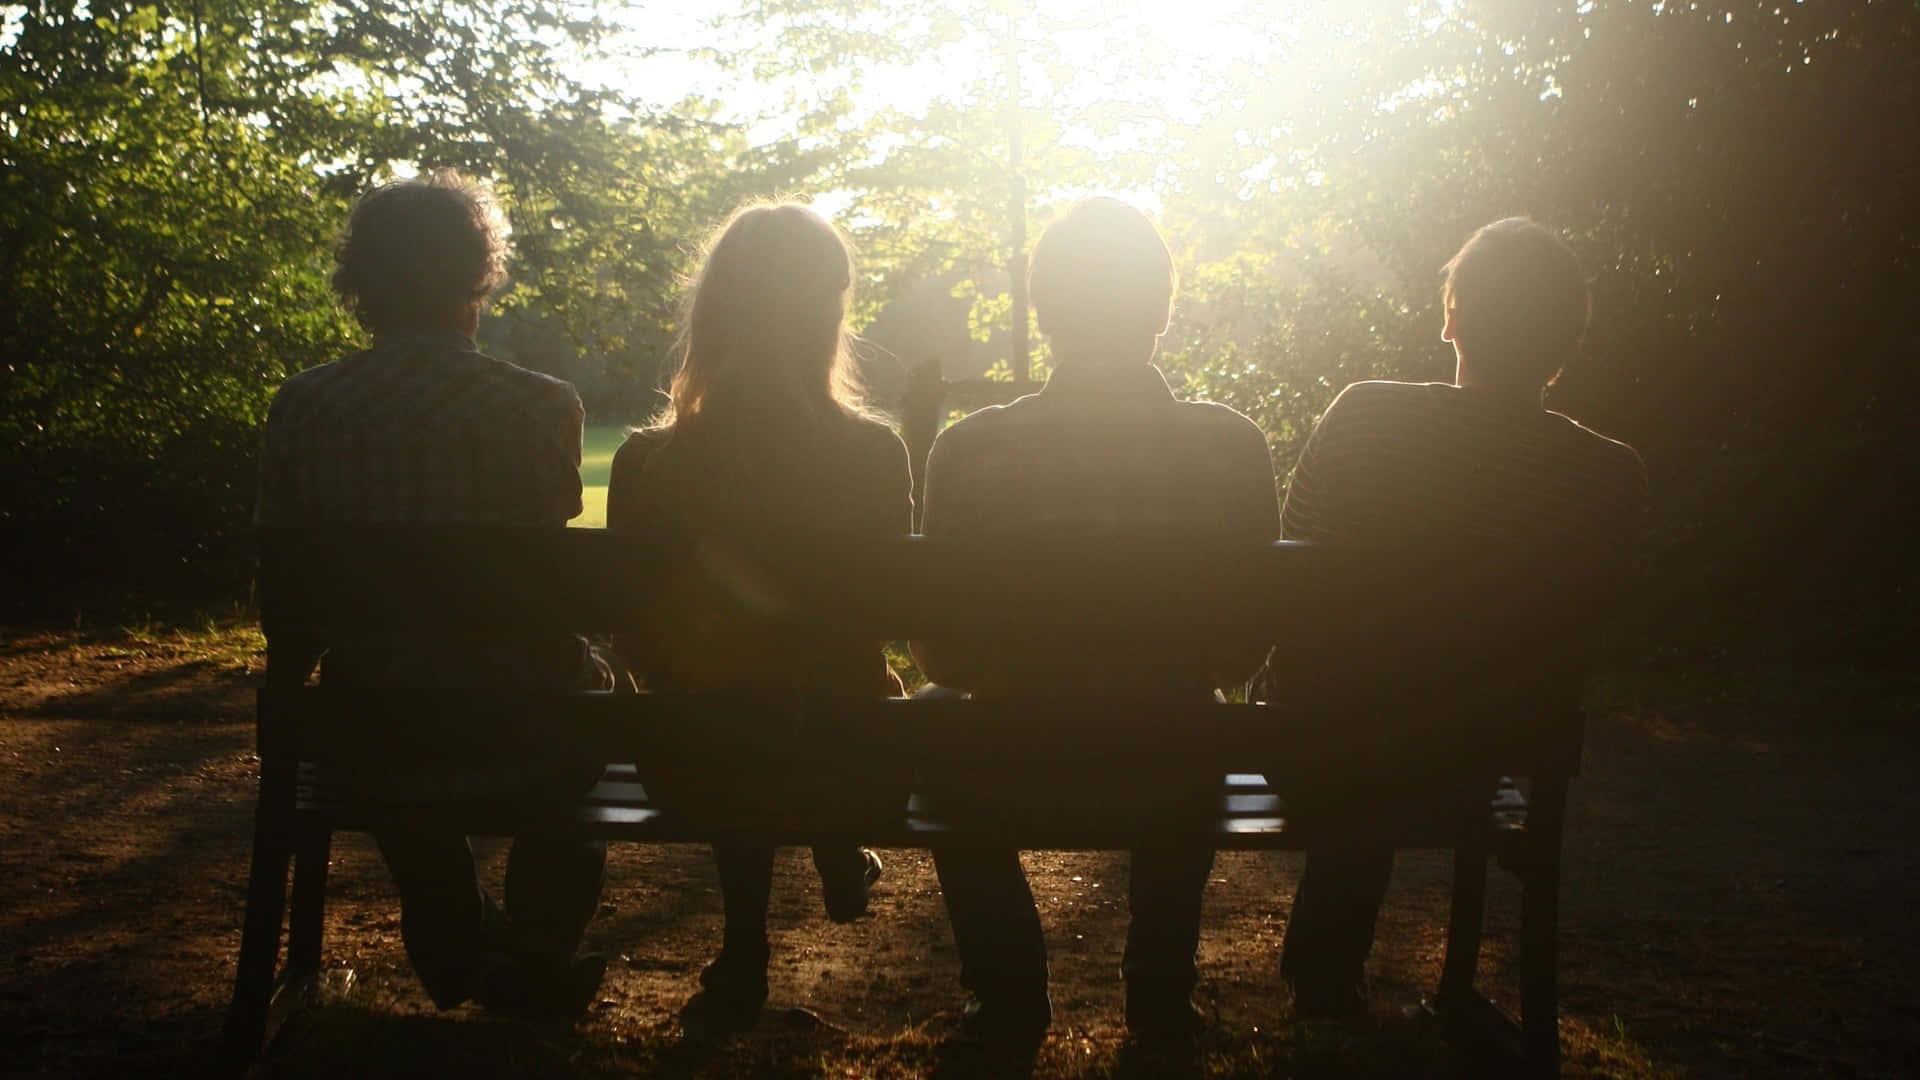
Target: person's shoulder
x=307 y=389
x=1618 y=455
x=1222 y=422
x=1388 y=393
x=981 y=427
x=1373 y=405
x=535 y=387
x=869 y=435
x=314 y=379
x=638 y=446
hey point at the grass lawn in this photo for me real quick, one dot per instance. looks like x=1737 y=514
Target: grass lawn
x=596 y=460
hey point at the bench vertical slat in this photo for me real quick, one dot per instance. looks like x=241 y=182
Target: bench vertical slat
x=273 y=831
x=1467 y=919
x=1539 y=928
x=307 y=921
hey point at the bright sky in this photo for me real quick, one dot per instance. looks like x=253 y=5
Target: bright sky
x=655 y=61
x=1070 y=62
x=1202 y=35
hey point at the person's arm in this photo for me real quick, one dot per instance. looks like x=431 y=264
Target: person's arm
x=947 y=495
x=1302 y=515
x=1310 y=513
x=555 y=459
x=625 y=514
x=291 y=658
x=1612 y=601
x=1254 y=510
x=895 y=521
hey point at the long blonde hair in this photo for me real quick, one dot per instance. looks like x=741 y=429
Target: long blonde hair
x=765 y=323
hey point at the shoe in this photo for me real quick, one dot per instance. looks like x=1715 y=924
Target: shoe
x=736 y=983
x=1017 y=1020
x=1337 y=1000
x=845 y=900
x=540 y=990
x=1163 y=1011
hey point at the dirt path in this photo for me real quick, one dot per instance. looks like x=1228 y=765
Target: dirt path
x=1738 y=902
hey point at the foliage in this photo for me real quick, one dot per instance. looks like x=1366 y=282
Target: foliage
x=163 y=265
x=1732 y=172
x=174 y=177
x=1737 y=175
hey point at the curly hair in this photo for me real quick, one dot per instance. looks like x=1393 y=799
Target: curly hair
x=415 y=250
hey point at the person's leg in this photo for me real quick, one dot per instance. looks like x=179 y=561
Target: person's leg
x=1164 y=892
x=443 y=909
x=1331 y=930
x=996 y=931
x=552 y=891
x=996 y=927
x=1165 y=886
x=846 y=871
x=739 y=974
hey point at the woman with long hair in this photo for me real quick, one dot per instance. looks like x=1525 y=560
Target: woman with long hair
x=764 y=433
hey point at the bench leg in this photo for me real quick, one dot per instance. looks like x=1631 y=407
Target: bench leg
x=307 y=920
x=1467 y=920
x=1539 y=931
x=246 y=1022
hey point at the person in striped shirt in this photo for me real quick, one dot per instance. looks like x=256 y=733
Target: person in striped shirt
x=1477 y=468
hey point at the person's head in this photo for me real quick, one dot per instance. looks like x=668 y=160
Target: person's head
x=1516 y=305
x=422 y=255
x=766 y=318
x=1102 y=281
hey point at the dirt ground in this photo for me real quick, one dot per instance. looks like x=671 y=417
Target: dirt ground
x=1738 y=902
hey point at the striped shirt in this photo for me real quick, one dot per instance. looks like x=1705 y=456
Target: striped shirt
x=424 y=429
x=1434 y=465
x=1099 y=454
x=1511 y=497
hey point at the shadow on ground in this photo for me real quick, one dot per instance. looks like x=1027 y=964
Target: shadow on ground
x=1737 y=903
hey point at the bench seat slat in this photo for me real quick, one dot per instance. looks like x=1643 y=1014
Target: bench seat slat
x=617 y=792
x=1251 y=816
x=1251 y=805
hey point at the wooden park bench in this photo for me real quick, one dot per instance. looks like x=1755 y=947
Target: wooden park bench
x=1349 y=628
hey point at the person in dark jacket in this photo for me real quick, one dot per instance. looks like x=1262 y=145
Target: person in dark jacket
x=764 y=434
x=1475 y=468
x=1103 y=454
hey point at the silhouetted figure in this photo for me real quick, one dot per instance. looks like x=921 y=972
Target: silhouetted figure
x=1103 y=453
x=764 y=435
x=424 y=428
x=1475 y=468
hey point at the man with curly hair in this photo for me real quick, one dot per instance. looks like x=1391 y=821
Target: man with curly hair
x=424 y=428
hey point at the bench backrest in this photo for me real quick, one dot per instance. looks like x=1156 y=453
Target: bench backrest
x=1412 y=643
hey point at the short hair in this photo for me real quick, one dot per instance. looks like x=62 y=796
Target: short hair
x=1524 y=299
x=1102 y=268
x=415 y=250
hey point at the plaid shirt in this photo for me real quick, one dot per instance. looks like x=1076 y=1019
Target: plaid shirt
x=425 y=429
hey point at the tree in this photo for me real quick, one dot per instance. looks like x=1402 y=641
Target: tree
x=174 y=175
